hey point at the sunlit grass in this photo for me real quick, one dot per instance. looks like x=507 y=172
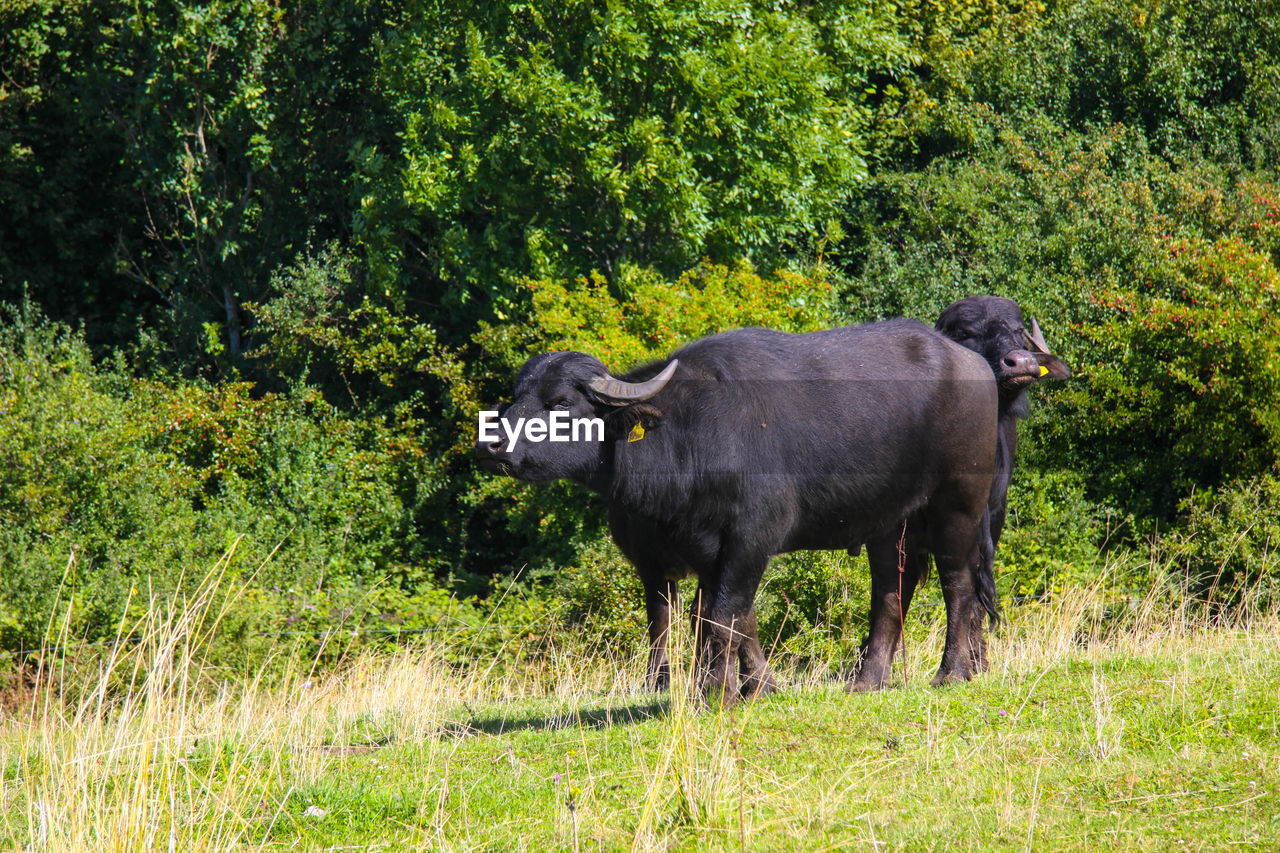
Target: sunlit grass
x=1104 y=722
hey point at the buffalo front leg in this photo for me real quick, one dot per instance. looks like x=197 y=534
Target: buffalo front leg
x=660 y=596
x=723 y=618
x=978 y=641
x=964 y=648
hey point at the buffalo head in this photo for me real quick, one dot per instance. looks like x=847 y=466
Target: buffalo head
x=993 y=327
x=565 y=405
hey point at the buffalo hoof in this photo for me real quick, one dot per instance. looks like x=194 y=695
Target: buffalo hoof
x=754 y=687
x=659 y=683
x=944 y=678
x=868 y=679
x=860 y=686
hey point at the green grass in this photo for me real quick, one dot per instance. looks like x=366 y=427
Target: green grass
x=1144 y=732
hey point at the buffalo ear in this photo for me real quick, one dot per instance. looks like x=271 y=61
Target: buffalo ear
x=620 y=422
x=1052 y=367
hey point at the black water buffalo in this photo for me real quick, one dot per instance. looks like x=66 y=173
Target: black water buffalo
x=993 y=327
x=752 y=443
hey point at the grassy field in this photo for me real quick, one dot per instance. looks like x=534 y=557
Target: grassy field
x=1140 y=729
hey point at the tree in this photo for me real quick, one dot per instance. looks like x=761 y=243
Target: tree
x=176 y=154
x=554 y=139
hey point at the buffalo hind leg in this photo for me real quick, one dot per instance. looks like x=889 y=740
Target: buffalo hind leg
x=888 y=608
x=956 y=553
x=978 y=641
x=988 y=602
x=754 y=677
x=891 y=594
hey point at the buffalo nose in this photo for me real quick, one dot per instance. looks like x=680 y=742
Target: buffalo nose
x=489 y=457
x=1020 y=363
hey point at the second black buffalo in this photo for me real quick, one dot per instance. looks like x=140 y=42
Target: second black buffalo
x=752 y=443
x=1018 y=357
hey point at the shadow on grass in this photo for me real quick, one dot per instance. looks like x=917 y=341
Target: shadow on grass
x=598 y=718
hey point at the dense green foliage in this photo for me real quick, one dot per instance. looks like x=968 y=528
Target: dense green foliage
x=556 y=138
x=114 y=488
x=265 y=261
x=164 y=159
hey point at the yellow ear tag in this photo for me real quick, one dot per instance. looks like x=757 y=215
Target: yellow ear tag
x=637 y=433
x=1044 y=371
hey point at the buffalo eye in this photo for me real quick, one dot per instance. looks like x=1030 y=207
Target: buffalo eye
x=562 y=404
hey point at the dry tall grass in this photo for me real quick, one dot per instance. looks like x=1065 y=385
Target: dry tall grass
x=160 y=751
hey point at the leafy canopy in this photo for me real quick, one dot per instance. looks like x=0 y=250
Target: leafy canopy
x=553 y=139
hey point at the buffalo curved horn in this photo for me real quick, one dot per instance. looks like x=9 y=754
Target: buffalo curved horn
x=1037 y=338
x=615 y=392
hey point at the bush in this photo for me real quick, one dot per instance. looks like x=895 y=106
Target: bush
x=551 y=139
x=812 y=605
x=1184 y=390
x=1198 y=79
x=1032 y=212
x=600 y=597
x=77 y=479
x=1054 y=536
x=113 y=490
x=1226 y=547
x=641 y=324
